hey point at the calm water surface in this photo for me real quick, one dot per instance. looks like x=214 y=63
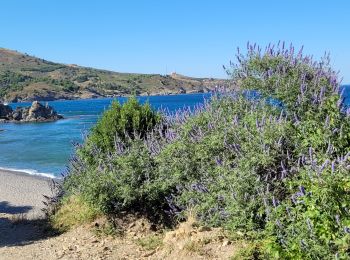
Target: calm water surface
x=45 y=148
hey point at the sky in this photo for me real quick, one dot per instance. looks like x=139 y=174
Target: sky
x=190 y=37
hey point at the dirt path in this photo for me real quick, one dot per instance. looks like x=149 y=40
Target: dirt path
x=77 y=244
x=25 y=235
x=83 y=243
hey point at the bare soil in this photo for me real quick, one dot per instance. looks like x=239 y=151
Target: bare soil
x=138 y=242
x=25 y=234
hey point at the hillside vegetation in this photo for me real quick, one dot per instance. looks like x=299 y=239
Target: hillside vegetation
x=27 y=78
x=268 y=163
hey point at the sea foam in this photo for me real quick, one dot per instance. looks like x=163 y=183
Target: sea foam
x=30 y=172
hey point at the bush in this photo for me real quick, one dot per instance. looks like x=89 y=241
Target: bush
x=113 y=169
x=308 y=227
x=315 y=221
x=270 y=160
x=122 y=123
x=219 y=164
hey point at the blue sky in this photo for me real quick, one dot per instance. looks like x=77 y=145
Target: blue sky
x=161 y=36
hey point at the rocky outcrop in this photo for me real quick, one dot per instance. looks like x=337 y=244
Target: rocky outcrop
x=4 y=111
x=35 y=113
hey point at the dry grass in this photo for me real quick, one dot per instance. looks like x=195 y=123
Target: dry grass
x=151 y=242
x=191 y=241
x=188 y=241
x=73 y=212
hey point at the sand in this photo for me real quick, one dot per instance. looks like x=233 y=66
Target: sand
x=21 y=204
x=21 y=193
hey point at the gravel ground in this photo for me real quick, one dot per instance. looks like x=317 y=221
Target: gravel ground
x=24 y=236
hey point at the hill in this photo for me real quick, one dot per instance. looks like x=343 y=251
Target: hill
x=27 y=78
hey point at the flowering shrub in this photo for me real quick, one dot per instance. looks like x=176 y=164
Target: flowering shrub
x=224 y=158
x=314 y=222
x=270 y=160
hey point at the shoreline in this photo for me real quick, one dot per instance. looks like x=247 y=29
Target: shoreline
x=23 y=194
x=24 y=173
x=109 y=97
x=29 y=172
x=119 y=96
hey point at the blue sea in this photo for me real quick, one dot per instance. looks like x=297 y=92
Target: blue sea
x=45 y=148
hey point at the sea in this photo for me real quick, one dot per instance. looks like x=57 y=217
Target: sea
x=45 y=148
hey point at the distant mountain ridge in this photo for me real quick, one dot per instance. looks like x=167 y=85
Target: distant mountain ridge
x=27 y=78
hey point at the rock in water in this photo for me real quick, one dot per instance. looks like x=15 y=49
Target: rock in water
x=38 y=112
x=35 y=113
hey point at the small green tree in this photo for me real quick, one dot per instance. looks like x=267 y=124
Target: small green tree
x=119 y=123
x=113 y=168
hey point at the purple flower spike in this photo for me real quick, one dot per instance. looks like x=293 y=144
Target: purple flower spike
x=221 y=198
x=310 y=153
x=288 y=211
x=296 y=119
x=199 y=188
x=218 y=161
x=333 y=167
x=329 y=148
x=309 y=225
x=299 y=162
x=269 y=73
x=347 y=230
x=326 y=124
x=324 y=165
x=337 y=219
x=274 y=202
x=278 y=223
x=302 y=243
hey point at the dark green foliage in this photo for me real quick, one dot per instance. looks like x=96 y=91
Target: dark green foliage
x=12 y=81
x=123 y=122
x=64 y=84
x=67 y=85
x=46 y=67
x=8 y=78
x=82 y=78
